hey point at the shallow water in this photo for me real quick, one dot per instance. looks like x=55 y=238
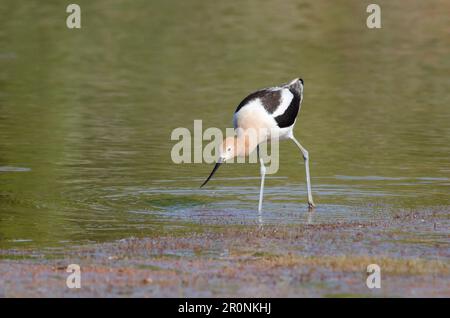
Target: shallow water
x=86 y=115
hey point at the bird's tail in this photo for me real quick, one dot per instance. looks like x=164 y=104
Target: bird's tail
x=296 y=85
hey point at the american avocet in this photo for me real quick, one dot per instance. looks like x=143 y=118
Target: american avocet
x=272 y=109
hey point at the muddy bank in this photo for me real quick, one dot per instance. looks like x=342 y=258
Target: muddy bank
x=315 y=260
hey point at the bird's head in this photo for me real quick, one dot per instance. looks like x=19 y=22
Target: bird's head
x=227 y=151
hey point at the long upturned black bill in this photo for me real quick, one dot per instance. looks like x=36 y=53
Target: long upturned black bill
x=212 y=173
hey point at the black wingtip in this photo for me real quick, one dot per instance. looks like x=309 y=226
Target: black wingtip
x=301 y=81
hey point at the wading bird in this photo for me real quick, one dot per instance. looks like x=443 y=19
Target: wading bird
x=266 y=111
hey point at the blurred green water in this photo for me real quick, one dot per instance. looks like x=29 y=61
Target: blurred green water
x=86 y=115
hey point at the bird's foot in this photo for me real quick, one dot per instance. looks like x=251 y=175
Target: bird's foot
x=311 y=205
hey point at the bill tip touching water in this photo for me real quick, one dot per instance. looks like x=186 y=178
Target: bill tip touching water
x=264 y=115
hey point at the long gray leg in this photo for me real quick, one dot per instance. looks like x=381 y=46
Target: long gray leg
x=263 y=174
x=308 y=181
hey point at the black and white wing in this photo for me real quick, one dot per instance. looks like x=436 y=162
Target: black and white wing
x=282 y=103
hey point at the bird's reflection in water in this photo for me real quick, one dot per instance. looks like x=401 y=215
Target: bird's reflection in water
x=309 y=217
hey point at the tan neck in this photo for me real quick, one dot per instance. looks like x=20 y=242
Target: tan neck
x=245 y=144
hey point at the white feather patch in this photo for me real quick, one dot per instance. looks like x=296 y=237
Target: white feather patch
x=286 y=98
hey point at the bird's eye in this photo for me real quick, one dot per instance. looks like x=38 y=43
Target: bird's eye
x=229 y=149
